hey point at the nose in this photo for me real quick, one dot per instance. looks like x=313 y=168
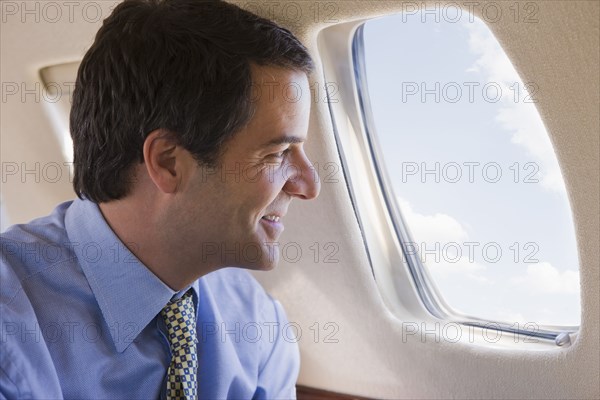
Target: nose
x=303 y=180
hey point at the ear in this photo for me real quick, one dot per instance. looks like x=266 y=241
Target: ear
x=166 y=162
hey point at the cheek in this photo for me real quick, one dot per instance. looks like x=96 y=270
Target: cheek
x=260 y=200
x=254 y=193
x=269 y=182
x=270 y=177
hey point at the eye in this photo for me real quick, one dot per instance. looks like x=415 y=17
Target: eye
x=281 y=154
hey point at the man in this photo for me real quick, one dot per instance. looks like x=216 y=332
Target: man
x=188 y=122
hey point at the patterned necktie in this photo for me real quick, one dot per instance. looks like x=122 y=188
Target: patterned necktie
x=180 y=317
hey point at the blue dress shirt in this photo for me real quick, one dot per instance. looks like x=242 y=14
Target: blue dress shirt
x=78 y=314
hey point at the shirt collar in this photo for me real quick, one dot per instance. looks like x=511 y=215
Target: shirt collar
x=128 y=293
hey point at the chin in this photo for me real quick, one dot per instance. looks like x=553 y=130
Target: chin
x=258 y=267
x=268 y=267
x=260 y=256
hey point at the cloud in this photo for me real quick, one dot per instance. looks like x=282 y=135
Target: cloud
x=509 y=316
x=528 y=131
x=445 y=232
x=544 y=278
x=469 y=269
x=437 y=228
x=516 y=115
x=492 y=61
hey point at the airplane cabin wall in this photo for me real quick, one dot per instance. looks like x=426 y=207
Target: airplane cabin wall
x=351 y=342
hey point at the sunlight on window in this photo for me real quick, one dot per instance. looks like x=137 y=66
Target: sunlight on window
x=473 y=169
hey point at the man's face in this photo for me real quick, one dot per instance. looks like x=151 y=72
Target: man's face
x=243 y=202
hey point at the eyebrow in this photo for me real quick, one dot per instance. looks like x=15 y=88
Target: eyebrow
x=283 y=140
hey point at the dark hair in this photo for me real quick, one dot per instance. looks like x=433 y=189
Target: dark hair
x=180 y=65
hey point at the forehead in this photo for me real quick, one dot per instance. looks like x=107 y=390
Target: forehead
x=281 y=107
x=278 y=88
x=281 y=104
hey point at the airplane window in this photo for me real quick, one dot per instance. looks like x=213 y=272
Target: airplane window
x=4 y=221
x=471 y=168
x=59 y=82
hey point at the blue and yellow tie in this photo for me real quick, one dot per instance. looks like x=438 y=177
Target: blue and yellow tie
x=180 y=317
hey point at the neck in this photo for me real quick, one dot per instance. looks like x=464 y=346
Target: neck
x=140 y=227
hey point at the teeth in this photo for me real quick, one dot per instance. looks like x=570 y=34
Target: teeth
x=272 y=218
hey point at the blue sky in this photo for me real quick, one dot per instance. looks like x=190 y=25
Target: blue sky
x=537 y=279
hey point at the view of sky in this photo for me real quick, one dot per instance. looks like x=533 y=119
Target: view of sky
x=473 y=169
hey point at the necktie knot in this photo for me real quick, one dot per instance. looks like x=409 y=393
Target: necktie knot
x=180 y=318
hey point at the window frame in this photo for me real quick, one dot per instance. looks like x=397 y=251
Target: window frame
x=407 y=289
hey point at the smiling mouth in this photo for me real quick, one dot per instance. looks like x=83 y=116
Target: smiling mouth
x=271 y=218
x=273 y=225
